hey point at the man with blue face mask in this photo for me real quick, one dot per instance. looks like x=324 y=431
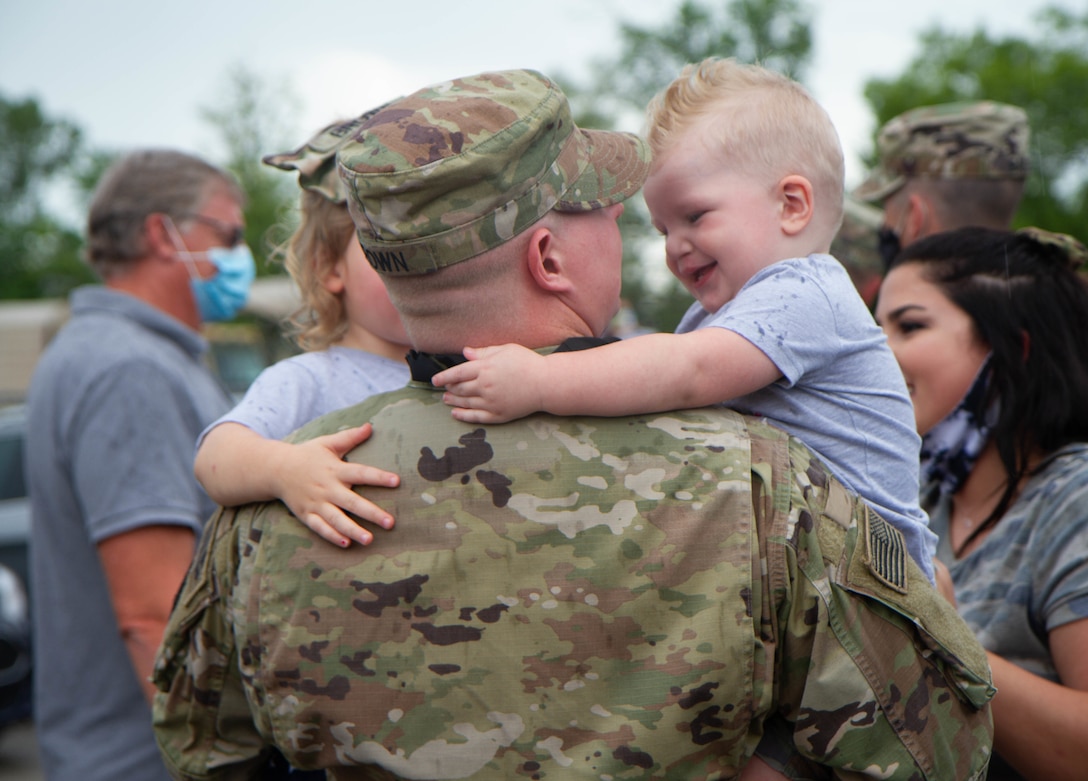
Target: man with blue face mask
x=220 y=296
x=116 y=404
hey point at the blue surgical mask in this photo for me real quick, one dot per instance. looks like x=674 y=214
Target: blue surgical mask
x=219 y=297
x=222 y=296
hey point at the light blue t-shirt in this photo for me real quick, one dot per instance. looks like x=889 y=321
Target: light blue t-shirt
x=298 y=389
x=841 y=391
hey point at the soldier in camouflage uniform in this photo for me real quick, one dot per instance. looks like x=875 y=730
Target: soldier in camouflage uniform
x=856 y=246
x=621 y=598
x=948 y=166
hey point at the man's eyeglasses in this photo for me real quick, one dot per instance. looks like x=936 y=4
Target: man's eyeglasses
x=231 y=235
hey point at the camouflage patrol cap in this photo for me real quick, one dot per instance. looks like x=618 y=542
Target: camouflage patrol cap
x=1076 y=254
x=982 y=139
x=461 y=167
x=315 y=160
x=855 y=244
x=857 y=247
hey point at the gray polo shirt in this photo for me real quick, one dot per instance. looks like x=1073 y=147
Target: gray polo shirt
x=116 y=405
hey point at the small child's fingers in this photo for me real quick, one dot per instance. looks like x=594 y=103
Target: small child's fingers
x=339 y=530
x=366 y=510
x=468 y=394
x=344 y=441
x=476 y=353
x=462 y=372
x=456 y=399
x=467 y=415
x=364 y=474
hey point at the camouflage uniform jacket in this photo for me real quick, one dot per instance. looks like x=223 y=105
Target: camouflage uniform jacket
x=564 y=598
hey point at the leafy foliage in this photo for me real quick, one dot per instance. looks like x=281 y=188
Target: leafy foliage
x=1046 y=74
x=252 y=122
x=40 y=254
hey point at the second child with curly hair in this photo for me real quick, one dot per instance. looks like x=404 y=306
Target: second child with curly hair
x=355 y=348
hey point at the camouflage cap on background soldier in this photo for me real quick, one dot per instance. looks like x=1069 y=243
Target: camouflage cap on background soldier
x=1075 y=252
x=478 y=160
x=315 y=160
x=978 y=139
x=856 y=246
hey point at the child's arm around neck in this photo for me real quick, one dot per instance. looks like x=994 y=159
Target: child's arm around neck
x=651 y=373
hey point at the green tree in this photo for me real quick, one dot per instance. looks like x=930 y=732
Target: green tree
x=40 y=253
x=252 y=122
x=774 y=33
x=1045 y=72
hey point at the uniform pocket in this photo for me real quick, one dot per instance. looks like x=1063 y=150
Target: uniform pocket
x=950 y=643
x=190 y=669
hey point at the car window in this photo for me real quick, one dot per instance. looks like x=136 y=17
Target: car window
x=12 y=479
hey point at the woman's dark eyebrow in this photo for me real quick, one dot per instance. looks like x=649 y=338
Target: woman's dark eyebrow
x=895 y=314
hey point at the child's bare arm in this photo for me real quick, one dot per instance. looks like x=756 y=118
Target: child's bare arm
x=649 y=373
x=497 y=384
x=236 y=465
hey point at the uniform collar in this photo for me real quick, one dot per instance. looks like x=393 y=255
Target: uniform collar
x=424 y=366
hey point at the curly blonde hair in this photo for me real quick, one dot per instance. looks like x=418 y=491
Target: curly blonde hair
x=309 y=255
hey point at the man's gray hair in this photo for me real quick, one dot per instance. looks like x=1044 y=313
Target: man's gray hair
x=145 y=182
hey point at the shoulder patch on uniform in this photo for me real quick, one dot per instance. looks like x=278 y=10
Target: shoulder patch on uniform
x=885 y=552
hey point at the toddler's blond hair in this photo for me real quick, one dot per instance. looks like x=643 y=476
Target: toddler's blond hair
x=759 y=121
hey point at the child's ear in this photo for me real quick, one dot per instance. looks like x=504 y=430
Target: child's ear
x=797 y=203
x=335 y=278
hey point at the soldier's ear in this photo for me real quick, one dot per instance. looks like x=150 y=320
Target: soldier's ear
x=546 y=261
x=918 y=222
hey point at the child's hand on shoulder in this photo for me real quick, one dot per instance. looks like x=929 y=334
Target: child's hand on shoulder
x=316 y=485
x=495 y=385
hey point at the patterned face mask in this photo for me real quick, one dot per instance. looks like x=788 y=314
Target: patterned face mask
x=950 y=448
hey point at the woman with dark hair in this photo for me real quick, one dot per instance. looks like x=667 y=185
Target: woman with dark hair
x=990 y=329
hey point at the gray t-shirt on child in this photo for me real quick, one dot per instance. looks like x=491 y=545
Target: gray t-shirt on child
x=841 y=391
x=298 y=389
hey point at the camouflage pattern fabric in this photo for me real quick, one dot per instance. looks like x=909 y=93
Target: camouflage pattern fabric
x=980 y=140
x=856 y=246
x=1075 y=252
x=315 y=159
x=458 y=168
x=566 y=598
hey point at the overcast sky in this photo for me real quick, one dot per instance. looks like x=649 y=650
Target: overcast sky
x=137 y=72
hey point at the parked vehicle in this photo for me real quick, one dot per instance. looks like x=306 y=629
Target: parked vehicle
x=15 y=634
